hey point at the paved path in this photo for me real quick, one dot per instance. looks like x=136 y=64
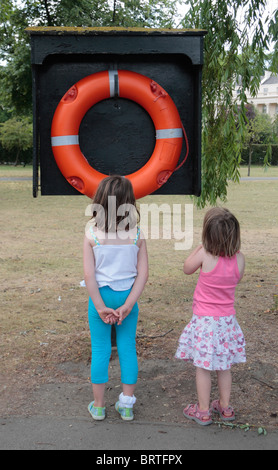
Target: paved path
x=81 y=433
x=258 y=178
x=16 y=178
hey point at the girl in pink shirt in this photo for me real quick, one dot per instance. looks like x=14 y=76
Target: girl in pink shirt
x=213 y=339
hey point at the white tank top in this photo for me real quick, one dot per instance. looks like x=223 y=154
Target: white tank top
x=116 y=265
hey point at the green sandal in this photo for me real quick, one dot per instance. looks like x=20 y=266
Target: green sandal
x=126 y=413
x=97 y=413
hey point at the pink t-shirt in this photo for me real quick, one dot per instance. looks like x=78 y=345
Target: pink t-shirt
x=215 y=291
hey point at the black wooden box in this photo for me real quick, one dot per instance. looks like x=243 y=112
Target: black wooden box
x=116 y=135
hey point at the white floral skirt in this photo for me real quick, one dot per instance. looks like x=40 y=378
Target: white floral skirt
x=212 y=343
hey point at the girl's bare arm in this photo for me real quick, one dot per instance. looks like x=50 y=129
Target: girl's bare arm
x=194 y=260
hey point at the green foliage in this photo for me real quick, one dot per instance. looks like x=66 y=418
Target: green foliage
x=275 y=129
x=15 y=74
x=16 y=136
x=258 y=130
x=262 y=154
x=15 y=77
x=16 y=81
x=273 y=31
x=80 y=13
x=152 y=13
x=230 y=57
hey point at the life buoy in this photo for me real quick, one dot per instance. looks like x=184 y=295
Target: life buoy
x=125 y=84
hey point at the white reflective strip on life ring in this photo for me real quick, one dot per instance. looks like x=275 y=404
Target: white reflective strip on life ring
x=65 y=140
x=112 y=74
x=169 y=133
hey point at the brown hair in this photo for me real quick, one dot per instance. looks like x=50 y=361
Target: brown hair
x=121 y=188
x=221 y=232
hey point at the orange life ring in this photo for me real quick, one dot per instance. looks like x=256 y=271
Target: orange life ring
x=125 y=84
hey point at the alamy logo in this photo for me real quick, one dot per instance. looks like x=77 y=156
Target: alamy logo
x=162 y=221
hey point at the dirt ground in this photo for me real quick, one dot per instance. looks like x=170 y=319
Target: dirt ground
x=56 y=381
x=165 y=386
x=45 y=352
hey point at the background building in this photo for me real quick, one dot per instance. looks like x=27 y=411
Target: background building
x=266 y=100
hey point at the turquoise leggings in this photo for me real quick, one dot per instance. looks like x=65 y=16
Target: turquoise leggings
x=101 y=339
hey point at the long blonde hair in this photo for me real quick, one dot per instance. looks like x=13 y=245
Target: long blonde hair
x=121 y=188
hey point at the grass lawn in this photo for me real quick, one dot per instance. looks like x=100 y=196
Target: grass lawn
x=259 y=171
x=16 y=171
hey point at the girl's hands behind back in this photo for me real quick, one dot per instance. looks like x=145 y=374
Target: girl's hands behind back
x=123 y=312
x=109 y=315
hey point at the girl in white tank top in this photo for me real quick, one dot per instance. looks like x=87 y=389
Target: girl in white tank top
x=116 y=271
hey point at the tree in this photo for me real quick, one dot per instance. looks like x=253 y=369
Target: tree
x=275 y=129
x=15 y=77
x=273 y=31
x=16 y=136
x=230 y=56
x=15 y=73
x=151 y=14
x=16 y=82
x=258 y=130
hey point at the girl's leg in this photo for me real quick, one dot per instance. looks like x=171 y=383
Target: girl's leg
x=126 y=344
x=128 y=390
x=201 y=411
x=98 y=392
x=224 y=378
x=203 y=383
x=101 y=353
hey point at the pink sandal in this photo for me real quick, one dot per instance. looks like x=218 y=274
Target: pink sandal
x=226 y=414
x=201 y=417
